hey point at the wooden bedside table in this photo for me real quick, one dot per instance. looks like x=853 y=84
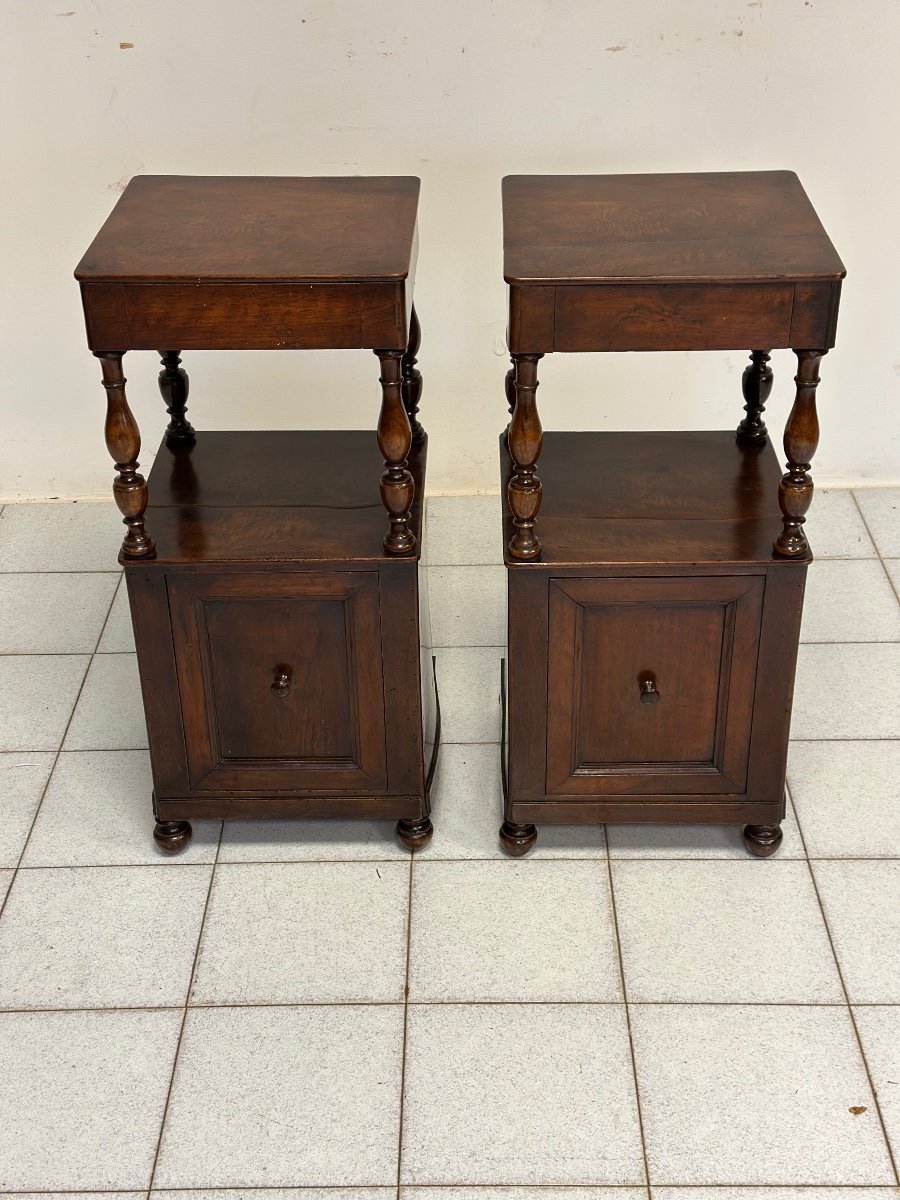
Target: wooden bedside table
x=655 y=595
x=275 y=600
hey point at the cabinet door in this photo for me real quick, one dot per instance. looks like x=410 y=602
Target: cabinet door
x=280 y=679
x=651 y=685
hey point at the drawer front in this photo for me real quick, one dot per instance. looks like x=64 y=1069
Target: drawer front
x=280 y=679
x=651 y=685
x=673 y=316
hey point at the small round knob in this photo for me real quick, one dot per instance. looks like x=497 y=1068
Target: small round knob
x=649 y=694
x=282 y=684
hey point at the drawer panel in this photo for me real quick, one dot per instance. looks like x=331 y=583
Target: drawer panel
x=651 y=685
x=673 y=316
x=280 y=679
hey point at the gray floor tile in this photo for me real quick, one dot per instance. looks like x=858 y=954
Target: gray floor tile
x=53 y=614
x=469 y=686
x=879 y=1032
x=97 y=812
x=299 y=933
x=80 y=1195
x=849 y=601
x=467 y=811
x=845 y=795
x=110 y=712
x=892 y=566
x=512 y=931
x=6 y=878
x=60 y=537
x=775 y=1193
x=304 y=840
x=755 y=1095
x=118 y=635
x=375 y=1193
x=881 y=510
x=847 y=692
x=37 y=695
x=285 y=1097
x=748 y=952
x=835 y=528
x=516 y=1094
x=23 y=778
x=468 y=605
x=862 y=906
x=516 y=1193
x=82 y=1097
x=100 y=937
x=696 y=841
x=464 y=530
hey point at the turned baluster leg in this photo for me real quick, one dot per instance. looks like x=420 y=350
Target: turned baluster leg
x=510 y=385
x=123 y=441
x=394 y=442
x=412 y=378
x=756 y=384
x=762 y=840
x=801 y=437
x=415 y=834
x=525 y=438
x=173 y=387
x=517 y=839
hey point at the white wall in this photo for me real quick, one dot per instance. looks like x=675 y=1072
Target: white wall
x=459 y=92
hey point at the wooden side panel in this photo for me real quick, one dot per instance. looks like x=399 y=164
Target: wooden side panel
x=673 y=316
x=527 y=686
x=384 y=315
x=398 y=598
x=531 y=319
x=255 y=316
x=105 y=317
x=149 y=604
x=814 y=320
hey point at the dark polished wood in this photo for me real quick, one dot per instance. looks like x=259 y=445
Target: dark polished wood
x=524 y=439
x=412 y=377
x=173 y=387
x=415 y=835
x=277 y=630
x=395 y=442
x=801 y=437
x=123 y=441
x=756 y=385
x=172 y=836
x=517 y=839
x=762 y=840
x=653 y=629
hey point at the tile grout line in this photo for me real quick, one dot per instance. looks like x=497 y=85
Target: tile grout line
x=634 y=1074
x=862 y=517
x=56 y=754
x=184 y=1013
x=409 y=913
x=849 y=1006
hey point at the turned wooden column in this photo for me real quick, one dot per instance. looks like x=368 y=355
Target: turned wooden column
x=801 y=437
x=123 y=441
x=756 y=385
x=509 y=383
x=525 y=438
x=411 y=386
x=394 y=442
x=173 y=387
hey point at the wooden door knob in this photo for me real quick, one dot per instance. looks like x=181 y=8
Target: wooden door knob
x=649 y=694
x=282 y=684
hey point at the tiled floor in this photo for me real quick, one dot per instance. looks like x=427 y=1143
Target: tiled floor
x=298 y=1011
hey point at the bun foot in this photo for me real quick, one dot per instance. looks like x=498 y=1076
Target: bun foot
x=415 y=835
x=172 y=836
x=517 y=839
x=762 y=840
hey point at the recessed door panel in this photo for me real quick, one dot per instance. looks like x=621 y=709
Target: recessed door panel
x=651 y=684
x=280 y=680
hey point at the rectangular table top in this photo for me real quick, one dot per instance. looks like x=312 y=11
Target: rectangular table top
x=252 y=229
x=738 y=226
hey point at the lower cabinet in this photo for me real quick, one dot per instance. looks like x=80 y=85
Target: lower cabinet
x=660 y=697
x=284 y=692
